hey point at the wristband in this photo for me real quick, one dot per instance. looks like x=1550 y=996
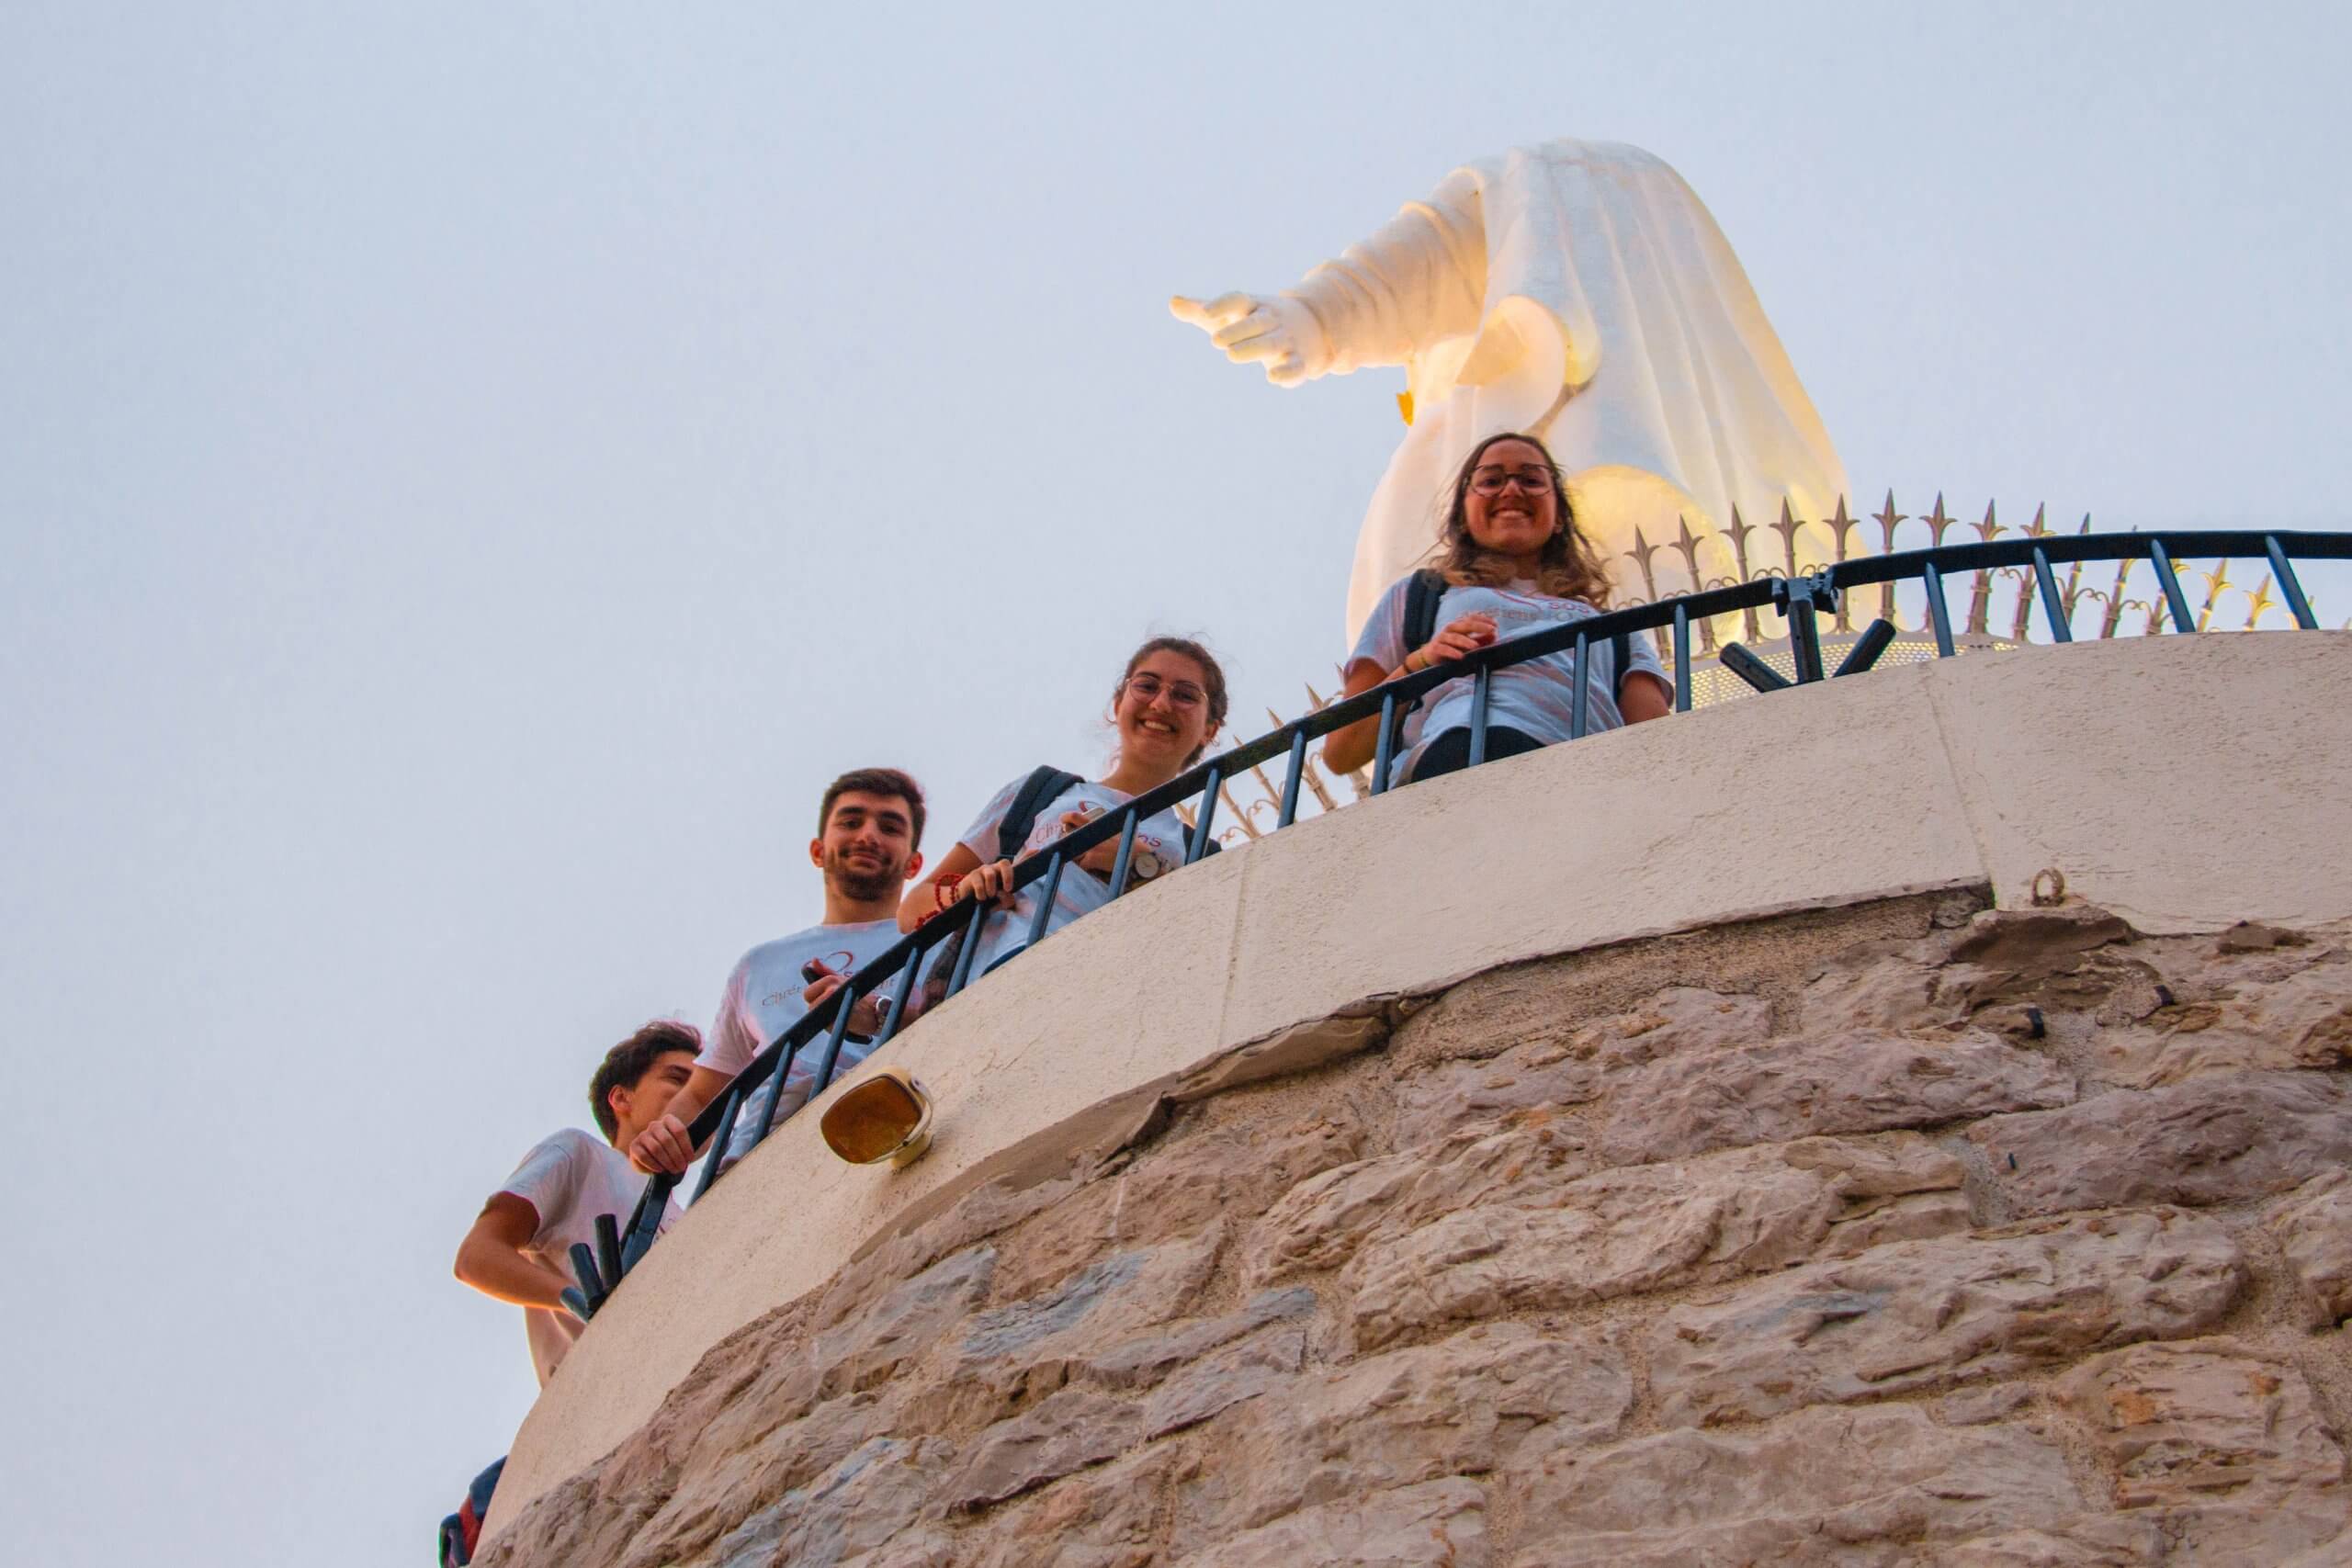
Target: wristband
x=943 y=895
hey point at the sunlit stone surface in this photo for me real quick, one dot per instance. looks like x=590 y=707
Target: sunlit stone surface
x=1844 y=1237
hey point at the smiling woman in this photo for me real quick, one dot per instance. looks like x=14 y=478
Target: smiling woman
x=1510 y=559
x=1167 y=707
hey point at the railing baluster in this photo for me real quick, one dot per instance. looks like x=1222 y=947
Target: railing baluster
x=899 y=998
x=608 y=1250
x=1937 y=611
x=833 y=1039
x=1804 y=638
x=1386 y=752
x=976 y=925
x=764 y=1122
x=2053 y=604
x=1760 y=675
x=1198 y=844
x=592 y=1285
x=1580 y=695
x=716 y=1156
x=1482 y=685
x=1867 y=647
x=2175 y=600
x=1681 y=657
x=1292 y=779
x=1126 y=858
x=647 y=1220
x=2288 y=584
x=1047 y=886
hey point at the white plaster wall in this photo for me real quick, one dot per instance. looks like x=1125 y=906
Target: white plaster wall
x=2183 y=782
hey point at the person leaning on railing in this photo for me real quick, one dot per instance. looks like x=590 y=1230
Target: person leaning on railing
x=519 y=1248
x=869 y=841
x=1166 y=709
x=1510 y=560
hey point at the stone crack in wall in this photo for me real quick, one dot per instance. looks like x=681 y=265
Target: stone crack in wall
x=1906 y=1233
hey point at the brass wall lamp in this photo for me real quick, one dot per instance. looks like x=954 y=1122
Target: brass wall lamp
x=888 y=1117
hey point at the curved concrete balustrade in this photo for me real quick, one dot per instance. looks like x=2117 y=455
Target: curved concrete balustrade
x=2179 y=782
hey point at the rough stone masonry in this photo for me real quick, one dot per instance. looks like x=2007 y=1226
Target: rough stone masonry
x=1907 y=1234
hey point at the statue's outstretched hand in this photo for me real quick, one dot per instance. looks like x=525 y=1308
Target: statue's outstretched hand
x=1281 y=331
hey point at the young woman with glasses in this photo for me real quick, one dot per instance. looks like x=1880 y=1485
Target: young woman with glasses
x=1514 y=562
x=1166 y=709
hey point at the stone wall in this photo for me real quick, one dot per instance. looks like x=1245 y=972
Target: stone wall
x=1908 y=1233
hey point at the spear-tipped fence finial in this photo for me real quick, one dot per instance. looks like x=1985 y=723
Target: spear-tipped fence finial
x=2217 y=583
x=1640 y=554
x=1888 y=518
x=2258 y=602
x=1840 y=525
x=1740 y=530
x=1787 y=529
x=1980 y=597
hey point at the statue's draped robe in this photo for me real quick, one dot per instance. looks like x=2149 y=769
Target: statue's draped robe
x=1578 y=289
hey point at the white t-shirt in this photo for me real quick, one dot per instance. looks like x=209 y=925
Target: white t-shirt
x=1534 y=697
x=763 y=1000
x=569 y=1178
x=1160 y=840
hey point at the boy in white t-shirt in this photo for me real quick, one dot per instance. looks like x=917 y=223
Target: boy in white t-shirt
x=868 y=843
x=519 y=1249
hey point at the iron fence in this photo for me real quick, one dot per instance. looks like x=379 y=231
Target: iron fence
x=1801 y=598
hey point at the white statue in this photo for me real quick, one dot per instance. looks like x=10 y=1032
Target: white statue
x=1578 y=290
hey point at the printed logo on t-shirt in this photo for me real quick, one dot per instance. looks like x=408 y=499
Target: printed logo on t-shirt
x=1528 y=609
x=839 y=962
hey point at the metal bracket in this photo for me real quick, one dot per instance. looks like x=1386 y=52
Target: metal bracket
x=1798 y=598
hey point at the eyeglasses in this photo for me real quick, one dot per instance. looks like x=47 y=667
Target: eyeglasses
x=1494 y=482
x=1182 y=693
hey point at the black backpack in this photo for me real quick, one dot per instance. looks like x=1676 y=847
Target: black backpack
x=1422 y=591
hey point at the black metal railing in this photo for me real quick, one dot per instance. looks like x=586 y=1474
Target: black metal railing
x=1800 y=599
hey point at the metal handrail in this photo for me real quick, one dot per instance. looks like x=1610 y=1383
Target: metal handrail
x=1799 y=598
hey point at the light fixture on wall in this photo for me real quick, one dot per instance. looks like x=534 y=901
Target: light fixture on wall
x=888 y=1117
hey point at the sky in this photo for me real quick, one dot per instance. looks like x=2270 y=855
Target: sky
x=470 y=475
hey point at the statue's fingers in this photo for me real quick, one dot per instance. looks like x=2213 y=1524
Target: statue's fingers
x=1226 y=309
x=1257 y=324
x=1268 y=347
x=1288 y=371
x=1191 y=312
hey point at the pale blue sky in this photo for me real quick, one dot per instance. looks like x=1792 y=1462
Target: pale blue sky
x=470 y=474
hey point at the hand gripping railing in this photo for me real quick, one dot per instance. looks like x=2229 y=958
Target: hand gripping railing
x=1800 y=599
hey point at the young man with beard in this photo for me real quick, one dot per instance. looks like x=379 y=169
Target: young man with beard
x=869 y=833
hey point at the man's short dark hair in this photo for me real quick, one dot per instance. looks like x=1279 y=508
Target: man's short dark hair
x=630 y=1061
x=876 y=781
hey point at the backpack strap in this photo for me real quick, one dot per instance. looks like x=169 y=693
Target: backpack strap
x=1038 y=790
x=1422 y=591
x=1042 y=786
